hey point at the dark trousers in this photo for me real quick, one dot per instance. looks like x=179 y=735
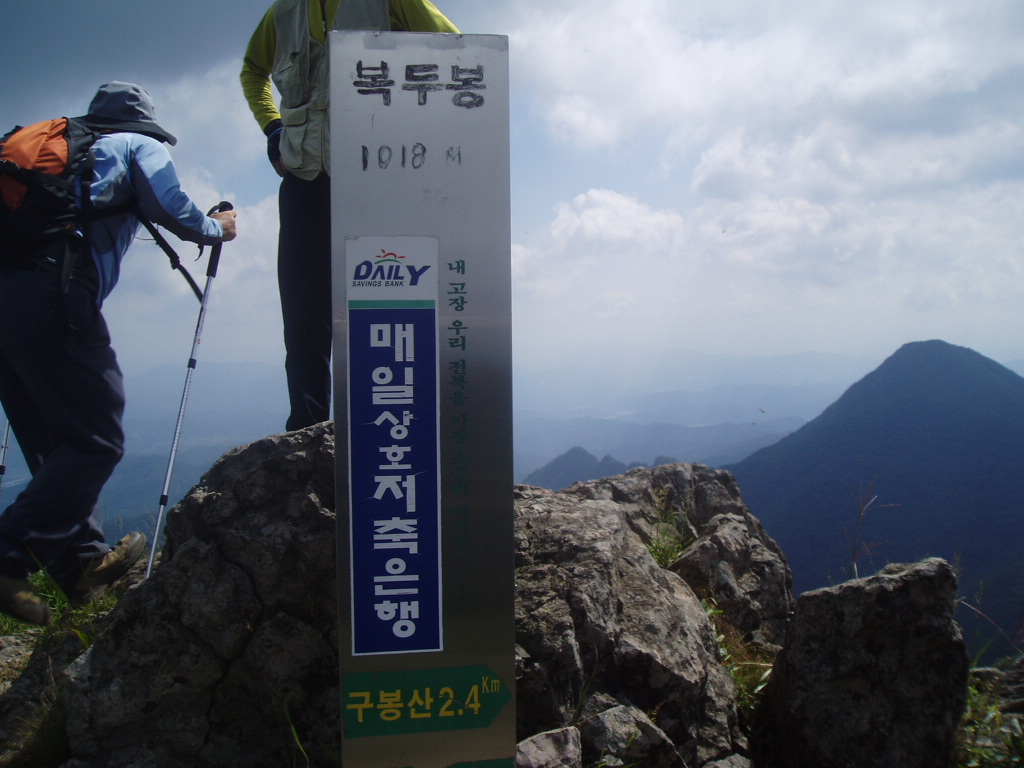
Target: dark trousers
x=63 y=394
x=304 y=279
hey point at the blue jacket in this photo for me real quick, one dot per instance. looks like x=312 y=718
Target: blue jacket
x=129 y=166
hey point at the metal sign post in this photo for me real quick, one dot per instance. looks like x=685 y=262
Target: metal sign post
x=422 y=361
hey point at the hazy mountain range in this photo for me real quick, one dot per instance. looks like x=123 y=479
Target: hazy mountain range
x=711 y=409
x=922 y=456
x=228 y=405
x=691 y=407
x=936 y=433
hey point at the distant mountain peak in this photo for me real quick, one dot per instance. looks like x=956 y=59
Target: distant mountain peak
x=934 y=375
x=940 y=356
x=937 y=433
x=575 y=465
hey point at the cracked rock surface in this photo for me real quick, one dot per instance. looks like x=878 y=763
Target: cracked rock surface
x=244 y=607
x=227 y=654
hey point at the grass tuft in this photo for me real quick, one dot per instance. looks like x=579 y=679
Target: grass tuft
x=749 y=664
x=988 y=736
x=673 y=532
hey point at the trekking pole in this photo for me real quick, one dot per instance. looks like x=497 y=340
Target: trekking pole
x=211 y=272
x=3 y=452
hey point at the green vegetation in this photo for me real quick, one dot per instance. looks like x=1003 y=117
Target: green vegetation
x=66 y=618
x=749 y=664
x=39 y=739
x=294 y=731
x=673 y=531
x=606 y=761
x=866 y=502
x=988 y=737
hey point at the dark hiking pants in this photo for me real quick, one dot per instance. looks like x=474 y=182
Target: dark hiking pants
x=304 y=280
x=63 y=394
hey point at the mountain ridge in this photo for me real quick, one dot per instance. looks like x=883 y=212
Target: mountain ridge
x=918 y=458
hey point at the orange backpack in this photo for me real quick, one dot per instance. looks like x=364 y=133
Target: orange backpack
x=38 y=168
x=41 y=147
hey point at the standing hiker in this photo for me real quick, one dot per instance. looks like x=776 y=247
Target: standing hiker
x=290 y=46
x=59 y=380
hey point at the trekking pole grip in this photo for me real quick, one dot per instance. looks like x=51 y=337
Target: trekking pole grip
x=211 y=269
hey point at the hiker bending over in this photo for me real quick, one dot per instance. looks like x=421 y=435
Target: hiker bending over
x=289 y=46
x=59 y=380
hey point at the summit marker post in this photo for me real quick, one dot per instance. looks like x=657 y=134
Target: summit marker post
x=423 y=415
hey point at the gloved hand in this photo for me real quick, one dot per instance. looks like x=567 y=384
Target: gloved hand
x=273 y=132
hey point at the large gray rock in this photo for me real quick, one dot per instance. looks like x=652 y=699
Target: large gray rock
x=232 y=642
x=551 y=749
x=622 y=648
x=227 y=655
x=730 y=557
x=873 y=673
x=1011 y=687
x=602 y=626
x=623 y=736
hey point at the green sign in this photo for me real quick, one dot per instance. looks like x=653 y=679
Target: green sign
x=421 y=700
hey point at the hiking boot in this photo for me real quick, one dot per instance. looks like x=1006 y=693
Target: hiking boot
x=19 y=600
x=101 y=572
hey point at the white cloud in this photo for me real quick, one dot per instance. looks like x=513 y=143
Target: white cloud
x=773 y=273
x=152 y=312
x=604 y=69
x=217 y=133
x=592 y=242
x=828 y=174
x=220 y=155
x=742 y=176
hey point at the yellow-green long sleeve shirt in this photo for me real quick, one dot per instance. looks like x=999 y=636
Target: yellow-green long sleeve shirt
x=258 y=65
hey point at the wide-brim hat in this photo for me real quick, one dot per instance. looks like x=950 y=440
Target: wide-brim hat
x=126 y=107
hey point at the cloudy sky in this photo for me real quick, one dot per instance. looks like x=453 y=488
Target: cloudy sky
x=730 y=176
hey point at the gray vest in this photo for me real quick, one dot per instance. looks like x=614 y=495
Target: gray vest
x=301 y=76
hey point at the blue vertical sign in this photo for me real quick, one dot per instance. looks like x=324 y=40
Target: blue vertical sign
x=393 y=436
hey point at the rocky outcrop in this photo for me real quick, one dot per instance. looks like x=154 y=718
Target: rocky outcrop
x=602 y=626
x=231 y=644
x=230 y=647
x=621 y=648
x=873 y=673
x=227 y=654
x=1011 y=688
x=728 y=557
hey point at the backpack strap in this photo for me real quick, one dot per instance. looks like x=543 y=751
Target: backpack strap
x=167 y=249
x=77 y=132
x=75 y=243
x=32 y=177
x=47 y=183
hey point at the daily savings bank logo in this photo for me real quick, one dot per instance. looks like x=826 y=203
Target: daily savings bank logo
x=387 y=269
